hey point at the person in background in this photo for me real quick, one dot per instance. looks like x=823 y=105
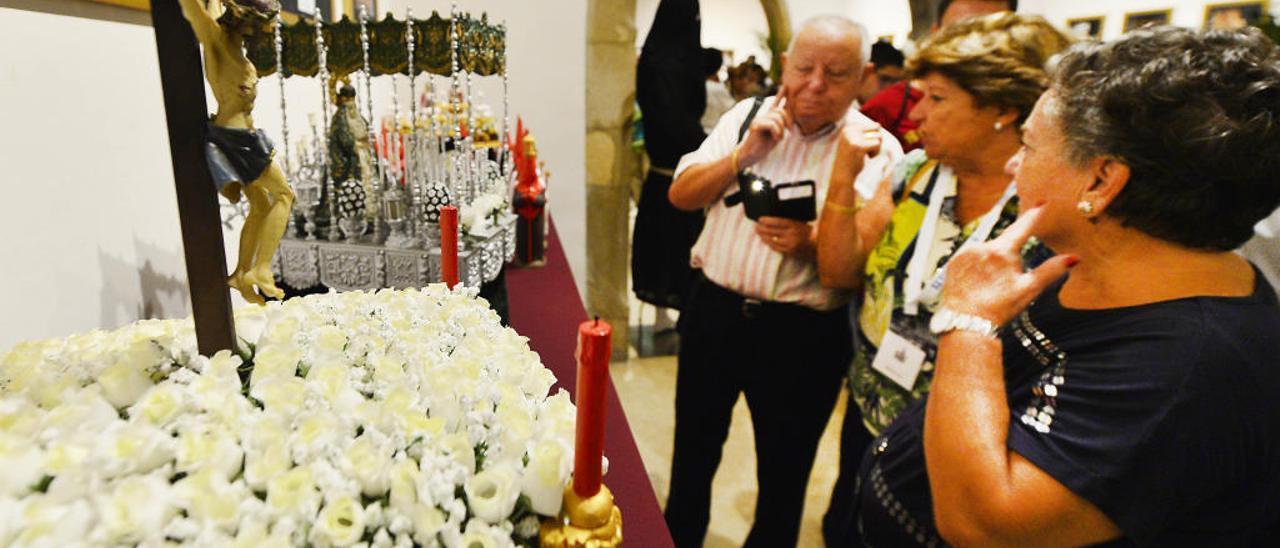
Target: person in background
x=747 y=79
x=980 y=78
x=719 y=100
x=759 y=323
x=892 y=105
x=672 y=96
x=889 y=62
x=1124 y=392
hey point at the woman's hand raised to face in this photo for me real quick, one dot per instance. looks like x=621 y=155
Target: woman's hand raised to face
x=766 y=131
x=856 y=144
x=988 y=279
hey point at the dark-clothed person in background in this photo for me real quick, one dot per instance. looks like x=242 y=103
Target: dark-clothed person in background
x=890 y=69
x=671 y=92
x=1130 y=397
x=891 y=107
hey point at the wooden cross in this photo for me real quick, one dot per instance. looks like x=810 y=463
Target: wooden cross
x=182 y=78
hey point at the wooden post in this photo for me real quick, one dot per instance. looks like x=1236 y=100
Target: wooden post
x=182 y=78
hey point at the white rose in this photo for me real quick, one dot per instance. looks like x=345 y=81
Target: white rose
x=516 y=429
x=63 y=456
x=492 y=493
x=224 y=364
x=315 y=434
x=74 y=485
x=207 y=446
x=328 y=380
x=276 y=361
x=251 y=322
x=133 y=448
x=557 y=417
x=22 y=464
x=264 y=430
x=404 y=482
x=481 y=535
x=19 y=417
x=387 y=370
x=427 y=521
x=293 y=493
x=11 y=520
x=87 y=411
x=138 y=507
x=210 y=499
x=328 y=339
x=45 y=523
x=381 y=539
x=161 y=404
x=123 y=383
x=458 y=447
x=283 y=396
x=370 y=465
x=263 y=465
x=545 y=477
x=341 y=523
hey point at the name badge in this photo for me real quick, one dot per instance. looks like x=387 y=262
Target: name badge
x=899 y=359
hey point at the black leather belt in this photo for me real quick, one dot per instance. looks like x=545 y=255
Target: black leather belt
x=751 y=308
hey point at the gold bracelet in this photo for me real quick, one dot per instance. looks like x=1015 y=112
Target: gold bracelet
x=838 y=208
x=733 y=159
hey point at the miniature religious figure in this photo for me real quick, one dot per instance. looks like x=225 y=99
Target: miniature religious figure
x=530 y=201
x=240 y=157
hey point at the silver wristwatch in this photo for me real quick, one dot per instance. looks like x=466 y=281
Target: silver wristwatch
x=946 y=320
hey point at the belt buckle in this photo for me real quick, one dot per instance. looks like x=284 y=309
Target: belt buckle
x=751 y=308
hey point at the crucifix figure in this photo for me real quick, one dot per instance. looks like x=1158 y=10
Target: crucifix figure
x=240 y=156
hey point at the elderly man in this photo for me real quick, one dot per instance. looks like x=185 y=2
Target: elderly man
x=759 y=323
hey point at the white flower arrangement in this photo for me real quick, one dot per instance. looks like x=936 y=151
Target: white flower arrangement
x=393 y=418
x=484 y=214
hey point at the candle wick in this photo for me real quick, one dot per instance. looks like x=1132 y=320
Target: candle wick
x=597 y=324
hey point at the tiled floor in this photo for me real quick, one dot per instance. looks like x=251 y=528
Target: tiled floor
x=646 y=387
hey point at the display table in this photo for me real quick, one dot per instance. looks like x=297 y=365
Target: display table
x=546 y=308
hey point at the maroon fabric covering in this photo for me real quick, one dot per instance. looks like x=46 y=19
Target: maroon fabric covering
x=546 y=308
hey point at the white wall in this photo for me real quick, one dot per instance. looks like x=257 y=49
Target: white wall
x=90 y=221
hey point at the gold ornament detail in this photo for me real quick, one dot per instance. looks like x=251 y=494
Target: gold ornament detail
x=592 y=522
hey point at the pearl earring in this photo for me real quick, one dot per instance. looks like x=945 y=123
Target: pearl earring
x=999 y=125
x=1085 y=207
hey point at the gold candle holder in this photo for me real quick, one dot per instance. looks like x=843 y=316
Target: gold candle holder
x=592 y=522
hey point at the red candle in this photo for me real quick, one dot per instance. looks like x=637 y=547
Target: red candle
x=449 y=245
x=594 y=342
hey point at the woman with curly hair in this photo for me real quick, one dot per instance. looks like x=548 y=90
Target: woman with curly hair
x=1134 y=400
x=981 y=77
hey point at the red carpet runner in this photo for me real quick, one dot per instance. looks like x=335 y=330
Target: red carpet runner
x=546 y=308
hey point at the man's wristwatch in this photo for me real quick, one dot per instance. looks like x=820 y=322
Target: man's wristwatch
x=946 y=320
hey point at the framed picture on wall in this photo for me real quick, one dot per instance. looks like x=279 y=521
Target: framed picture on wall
x=1087 y=27
x=144 y=5
x=1233 y=15
x=307 y=8
x=1139 y=19
x=351 y=8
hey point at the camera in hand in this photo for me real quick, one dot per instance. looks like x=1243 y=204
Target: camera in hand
x=762 y=197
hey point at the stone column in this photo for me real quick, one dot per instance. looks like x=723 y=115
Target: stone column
x=611 y=167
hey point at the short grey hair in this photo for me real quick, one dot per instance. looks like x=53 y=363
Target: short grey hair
x=837 y=24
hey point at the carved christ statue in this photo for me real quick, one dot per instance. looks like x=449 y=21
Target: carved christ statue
x=240 y=156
